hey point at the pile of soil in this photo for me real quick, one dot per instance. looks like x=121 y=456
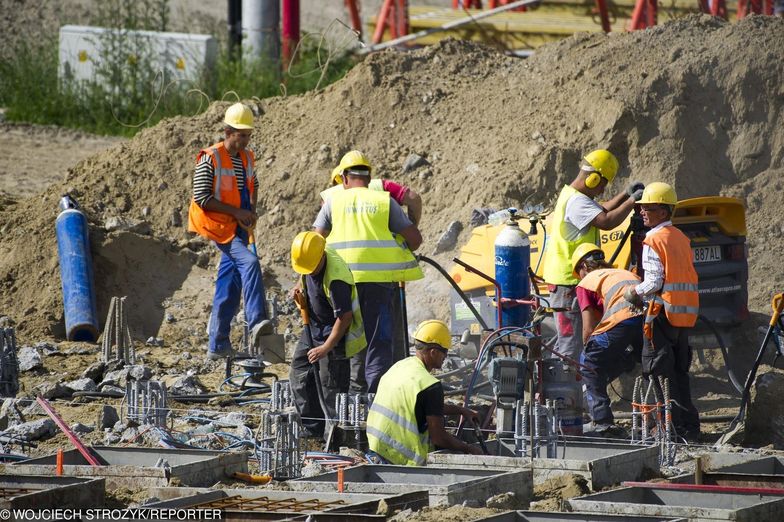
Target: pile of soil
x=696 y=103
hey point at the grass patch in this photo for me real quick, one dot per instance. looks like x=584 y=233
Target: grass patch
x=126 y=96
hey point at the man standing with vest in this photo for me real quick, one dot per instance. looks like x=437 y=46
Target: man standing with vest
x=336 y=331
x=670 y=285
x=406 y=418
x=577 y=219
x=375 y=238
x=612 y=328
x=223 y=209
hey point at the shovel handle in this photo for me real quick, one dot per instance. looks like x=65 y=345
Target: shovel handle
x=302 y=305
x=778 y=305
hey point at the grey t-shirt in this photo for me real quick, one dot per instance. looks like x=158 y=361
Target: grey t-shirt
x=580 y=211
x=398 y=221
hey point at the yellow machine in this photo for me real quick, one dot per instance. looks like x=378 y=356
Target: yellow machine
x=715 y=225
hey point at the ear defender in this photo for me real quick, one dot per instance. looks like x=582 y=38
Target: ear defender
x=593 y=180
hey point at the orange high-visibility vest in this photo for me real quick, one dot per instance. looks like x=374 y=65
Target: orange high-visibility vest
x=679 y=294
x=217 y=226
x=610 y=284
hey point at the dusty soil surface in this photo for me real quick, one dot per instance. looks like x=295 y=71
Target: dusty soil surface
x=696 y=103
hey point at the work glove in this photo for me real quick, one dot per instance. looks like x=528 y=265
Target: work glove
x=634 y=190
x=633 y=297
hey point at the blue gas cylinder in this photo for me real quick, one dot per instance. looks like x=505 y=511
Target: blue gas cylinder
x=76 y=273
x=512 y=258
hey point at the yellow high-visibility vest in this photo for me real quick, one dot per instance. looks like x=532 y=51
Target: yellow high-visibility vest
x=392 y=430
x=558 y=259
x=326 y=195
x=360 y=235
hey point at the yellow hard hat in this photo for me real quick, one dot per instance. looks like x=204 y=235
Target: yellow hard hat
x=434 y=331
x=353 y=158
x=239 y=116
x=659 y=192
x=603 y=162
x=306 y=251
x=337 y=175
x=581 y=252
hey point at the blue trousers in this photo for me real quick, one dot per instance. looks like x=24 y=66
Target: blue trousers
x=375 y=301
x=609 y=355
x=239 y=273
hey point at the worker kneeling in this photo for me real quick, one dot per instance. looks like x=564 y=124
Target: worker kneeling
x=407 y=416
x=612 y=328
x=333 y=332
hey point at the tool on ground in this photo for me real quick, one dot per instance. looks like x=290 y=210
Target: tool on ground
x=301 y=300
x=84 y=450
x=252 y=479
x=777 y=304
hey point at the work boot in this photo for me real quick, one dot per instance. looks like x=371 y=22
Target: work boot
x=219 y=354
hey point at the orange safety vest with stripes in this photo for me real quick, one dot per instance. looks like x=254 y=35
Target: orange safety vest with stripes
x=679 y=296
x=610 y=284
x=218 y=226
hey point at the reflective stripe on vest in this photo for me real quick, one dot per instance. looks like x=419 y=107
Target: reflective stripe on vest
x=217 y=226
x=558 y=259
x=326 y=195
x=360 y=235
x=336 y=270
x=679 y=294
x=610 y=284
x=391 y=424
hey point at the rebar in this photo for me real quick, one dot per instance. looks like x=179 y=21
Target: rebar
x=521 y=429
x=147 y=402
x=279 y=447
x=116 y=342
x=281 y=397
x=552 y=429
x=636 y=396
x=668 y=456
x=9 y=363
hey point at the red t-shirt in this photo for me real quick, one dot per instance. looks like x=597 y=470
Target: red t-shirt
x=396 y=190
x=587 y=299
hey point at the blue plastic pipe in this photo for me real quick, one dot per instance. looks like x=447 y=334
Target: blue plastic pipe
x=76 y=273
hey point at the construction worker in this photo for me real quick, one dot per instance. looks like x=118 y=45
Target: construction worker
x=375 y=238
x=577 y=219
x=223 y=209
x=669 y=285
x=405 y=196
x=336 y=331
x=612 y=329
x=406 y=418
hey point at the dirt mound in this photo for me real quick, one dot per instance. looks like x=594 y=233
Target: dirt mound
x=696 y=103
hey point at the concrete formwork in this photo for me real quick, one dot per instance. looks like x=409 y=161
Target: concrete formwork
x=48 y=492
x=268 y=504
x=141 y=467
x=602 y=464
x=539 y=516
x=444 y=486
x=749 y=471
x=697 y=503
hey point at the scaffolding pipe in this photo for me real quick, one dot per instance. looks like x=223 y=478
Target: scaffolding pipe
x=446 y=27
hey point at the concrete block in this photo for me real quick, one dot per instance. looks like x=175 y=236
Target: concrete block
x=447 y=486
x=137 y=467
x=744 y=472
x=539 y=516
x=48 y=492
x=272 y=504
x=602 y=464
x=697 y=503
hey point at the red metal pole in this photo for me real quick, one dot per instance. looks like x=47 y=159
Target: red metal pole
x=603 y=15
x=402 y=17
x=381 y=21
x=353 y=12
x=84 y=450
x=290 y=28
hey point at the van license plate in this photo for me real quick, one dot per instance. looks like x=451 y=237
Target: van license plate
x=706 y=254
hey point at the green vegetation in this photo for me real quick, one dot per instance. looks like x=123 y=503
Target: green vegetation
x=126 y=94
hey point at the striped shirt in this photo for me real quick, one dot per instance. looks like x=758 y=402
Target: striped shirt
x=203 y=179
x=652 y=265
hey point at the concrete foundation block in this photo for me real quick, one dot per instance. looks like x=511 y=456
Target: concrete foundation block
x=141 y=467
x=447 y=486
